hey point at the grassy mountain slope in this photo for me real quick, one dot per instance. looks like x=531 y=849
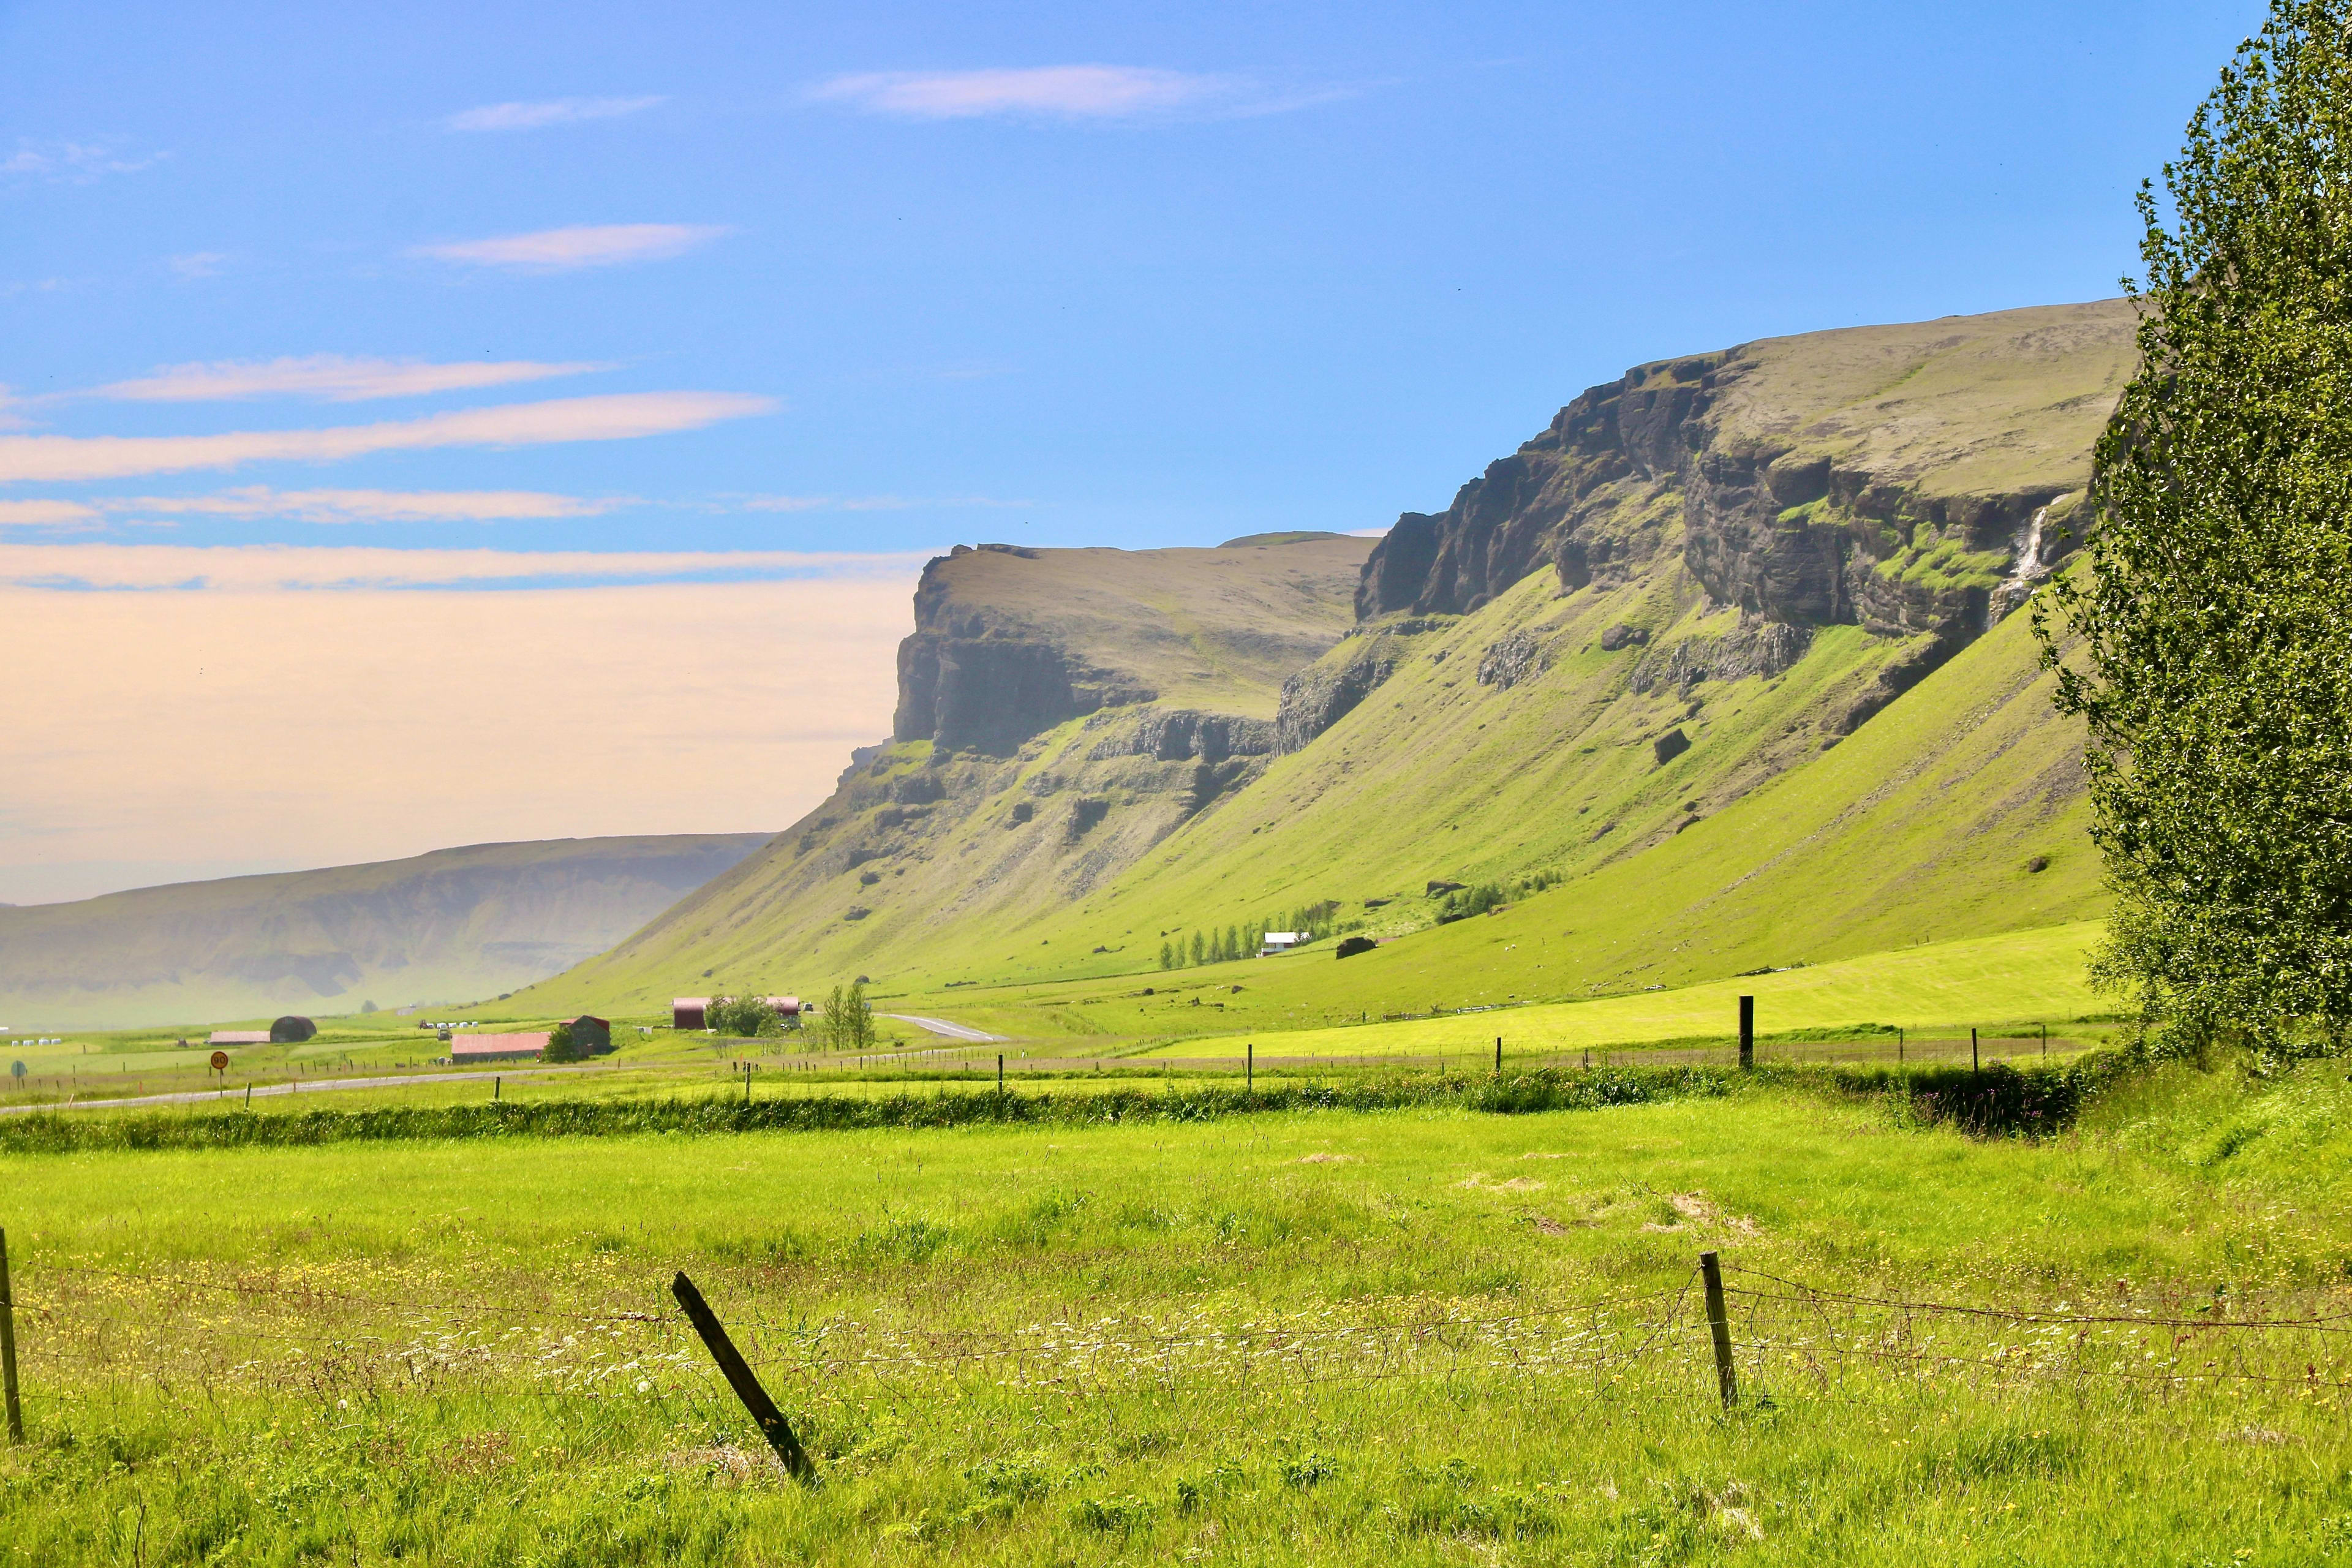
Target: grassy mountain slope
x=1173 y=657
x=450 y=925
x=1919 y=828
x=1726 y=647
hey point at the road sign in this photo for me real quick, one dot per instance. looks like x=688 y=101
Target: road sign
x=220 y=1061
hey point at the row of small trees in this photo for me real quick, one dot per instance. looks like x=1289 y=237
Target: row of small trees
x=1313 y=922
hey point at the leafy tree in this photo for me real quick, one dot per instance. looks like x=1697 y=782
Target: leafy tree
x=1200 y=948
x=847 y=1021
x=744 y=1017
x=559 y=1048
x=2214 y=614
x=1167 y=956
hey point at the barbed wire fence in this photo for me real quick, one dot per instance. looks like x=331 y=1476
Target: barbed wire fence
x=84 y=1327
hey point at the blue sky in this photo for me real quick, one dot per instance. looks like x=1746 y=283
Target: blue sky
x=355 y=338
x=883 y=277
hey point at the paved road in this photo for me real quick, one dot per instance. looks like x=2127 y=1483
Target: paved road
x=953 y=1031
x=261 y=1090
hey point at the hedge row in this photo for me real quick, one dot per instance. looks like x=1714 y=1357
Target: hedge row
x=1997 y=1100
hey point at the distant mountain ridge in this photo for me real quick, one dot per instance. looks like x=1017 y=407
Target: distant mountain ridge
x=1660 y=613
x=453 y=925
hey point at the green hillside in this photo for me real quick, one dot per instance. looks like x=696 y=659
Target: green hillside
x=1920 y=827
x=1725 y=659
x=448 y=926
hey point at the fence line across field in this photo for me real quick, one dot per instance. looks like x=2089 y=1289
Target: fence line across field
x=1557 y=1338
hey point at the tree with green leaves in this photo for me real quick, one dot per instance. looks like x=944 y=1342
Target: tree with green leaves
x=560 y=1046
x=847 y=1021
x=743 y=1017
x=2209 y=631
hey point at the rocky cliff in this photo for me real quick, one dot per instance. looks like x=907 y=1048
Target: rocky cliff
x=1879 y=477
x=1010 y=642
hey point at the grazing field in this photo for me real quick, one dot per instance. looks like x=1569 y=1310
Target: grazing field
x=1990 y=979
x=1420 y=1336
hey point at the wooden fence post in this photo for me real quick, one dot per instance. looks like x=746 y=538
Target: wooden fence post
x=1719 y=1322
x=1000 y=1073
x=1249 y=1081
x=1498 y=1056
x=1974 y=1065
x=770 y=1420
x=8 y=1347
x=1747 y=1034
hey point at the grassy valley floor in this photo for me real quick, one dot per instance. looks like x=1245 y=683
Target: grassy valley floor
x=1420 y=1336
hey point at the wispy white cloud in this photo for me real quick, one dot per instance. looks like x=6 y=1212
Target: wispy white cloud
x=50 y=516
x=865 y=503
x=262 y=567
x=620 y=417
x=1078 y=92
x=359 y=506
x=569 y=249
x=70 y=162
x=199 y=263
x=552 y=112
x=331 y=377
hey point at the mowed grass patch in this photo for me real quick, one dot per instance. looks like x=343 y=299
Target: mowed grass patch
x=1425 y=1336
x=1998 y=979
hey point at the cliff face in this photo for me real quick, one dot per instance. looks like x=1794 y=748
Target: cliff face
x=1010 y=642
x=1893 y=478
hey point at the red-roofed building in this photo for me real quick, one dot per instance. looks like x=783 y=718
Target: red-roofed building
x=464 y=1048
x=686 y=1012
x=239 y=1037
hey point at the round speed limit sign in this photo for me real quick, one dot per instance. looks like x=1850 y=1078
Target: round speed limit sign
x=220 y=1061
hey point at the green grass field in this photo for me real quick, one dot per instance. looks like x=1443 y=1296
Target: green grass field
x=1988 y=980
x=1427 y=1337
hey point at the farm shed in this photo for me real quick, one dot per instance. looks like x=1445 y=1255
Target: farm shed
x=686 y=1012
x=592 y=1035
x=239 y=1037
x=1280 y=941
x=292 y=1029
x=785 y=1006
x=464 y=1048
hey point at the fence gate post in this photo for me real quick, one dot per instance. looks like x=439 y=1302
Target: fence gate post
x=770 y=1420
x=1719 y=1322
x=8 y=1347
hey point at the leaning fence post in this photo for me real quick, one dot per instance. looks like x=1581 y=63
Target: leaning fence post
x=8 y=1347
x=770 y=1420
x=1727 y=1381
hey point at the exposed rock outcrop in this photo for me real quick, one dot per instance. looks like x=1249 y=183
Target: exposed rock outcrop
x=1875 y=477
x=1183 y=735
x=1755 y=647
x=1511 y=659
x=1326 y=692
x=1560 y=501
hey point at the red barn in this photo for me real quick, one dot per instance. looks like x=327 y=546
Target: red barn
x=686 y=1012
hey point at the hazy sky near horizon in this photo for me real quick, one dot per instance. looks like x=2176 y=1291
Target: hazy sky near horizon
x=410 y=325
